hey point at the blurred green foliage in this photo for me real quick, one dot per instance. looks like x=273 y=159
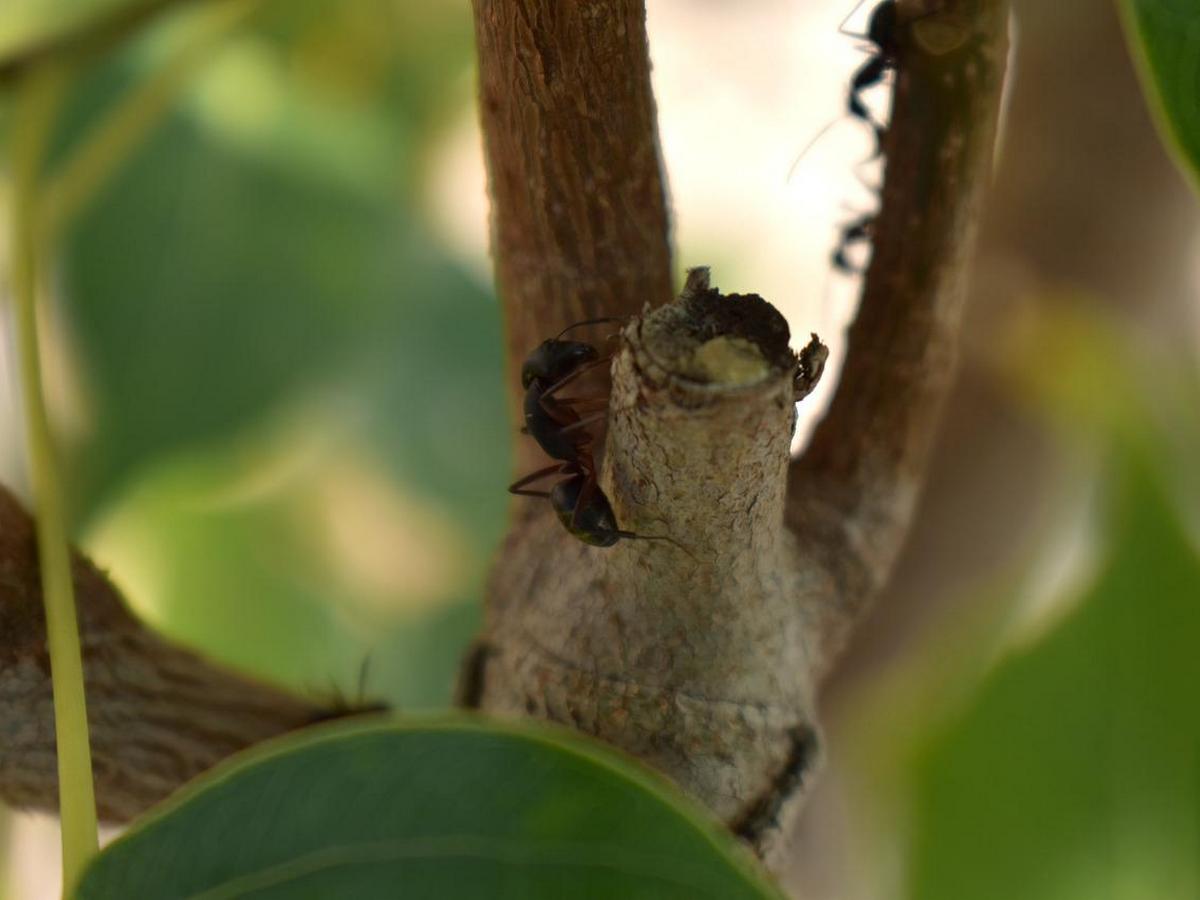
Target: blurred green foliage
x=26 y=24
x=1048 y=747
x=488 y=811
x=1075 y=770
x=261 y=272
x=1165 y=38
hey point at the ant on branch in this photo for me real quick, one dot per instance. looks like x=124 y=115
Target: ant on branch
x=556 y=424
x=883 y=47
x=884 y=51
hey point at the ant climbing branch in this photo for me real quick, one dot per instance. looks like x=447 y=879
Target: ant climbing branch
x=559 y=429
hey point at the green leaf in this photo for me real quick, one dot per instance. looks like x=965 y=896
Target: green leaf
x=1075 y=772
x=1165 y=39
x=218 y=279
x=452 y=808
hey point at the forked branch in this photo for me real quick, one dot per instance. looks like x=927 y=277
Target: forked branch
x=705 y=663
x=852 y=493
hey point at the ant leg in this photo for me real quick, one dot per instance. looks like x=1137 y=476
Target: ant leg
x=584 y=404
x=567 y=379
x=363 y=669
x=584 y=422
x=522 y=492
x=854 y=232
x=517 y=486
x=850 y=232
x=868 y=75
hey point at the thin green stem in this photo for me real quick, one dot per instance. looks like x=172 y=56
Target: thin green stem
x=37 y=106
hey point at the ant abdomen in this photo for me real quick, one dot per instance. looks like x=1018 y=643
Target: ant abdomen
x=590 y=518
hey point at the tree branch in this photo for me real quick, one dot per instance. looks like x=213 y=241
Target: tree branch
x=703 y=659
x=689 y=656
x=158 y=714
x=579 y=216
x=852 y=492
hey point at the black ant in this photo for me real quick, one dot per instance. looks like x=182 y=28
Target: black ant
x=555 y=423
x=552 y=421
x=884 y=50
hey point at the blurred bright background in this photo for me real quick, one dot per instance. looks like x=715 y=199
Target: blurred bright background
x=274 y=359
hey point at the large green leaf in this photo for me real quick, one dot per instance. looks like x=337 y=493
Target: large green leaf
x=1165 y=36
x=1076 y=771
x=442 y=810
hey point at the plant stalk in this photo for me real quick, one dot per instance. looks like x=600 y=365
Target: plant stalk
x=37 y=106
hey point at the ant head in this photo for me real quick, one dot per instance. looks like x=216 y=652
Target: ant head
x=553 y=360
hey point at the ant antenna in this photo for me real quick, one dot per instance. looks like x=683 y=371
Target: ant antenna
x=811 y=143
x=599 y=321
x=849 y=16
x=363 y=668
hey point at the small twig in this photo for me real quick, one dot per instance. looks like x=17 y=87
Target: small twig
x=852 y=493
x=579 y=216
x=158 y=714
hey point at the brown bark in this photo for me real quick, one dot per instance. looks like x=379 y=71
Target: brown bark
x=1076 y=118
x=853 y=491
x=579 y=215
x=706 y=665
x=690 y=657
x=158 y=714
x=701 y=658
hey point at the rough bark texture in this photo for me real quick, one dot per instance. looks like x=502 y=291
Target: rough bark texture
x=691 y=657
x=705 y=664
x=579 y=215
x=159 y=715
x=700 y=658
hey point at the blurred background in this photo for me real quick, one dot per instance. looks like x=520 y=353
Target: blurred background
x=273 y=355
